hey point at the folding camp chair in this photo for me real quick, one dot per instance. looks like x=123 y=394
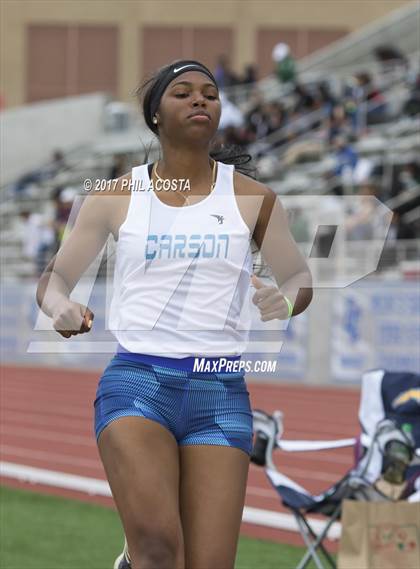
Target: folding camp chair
x=388 y=401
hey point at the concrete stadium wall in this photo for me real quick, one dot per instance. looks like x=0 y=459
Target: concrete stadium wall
x=245 y=19
x=30 y=134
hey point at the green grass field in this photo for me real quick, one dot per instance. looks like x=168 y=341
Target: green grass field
x=45 y=532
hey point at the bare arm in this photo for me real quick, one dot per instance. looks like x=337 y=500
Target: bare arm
x=59 y=278
x=280 y=252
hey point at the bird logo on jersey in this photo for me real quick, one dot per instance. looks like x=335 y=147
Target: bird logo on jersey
x=219 y=218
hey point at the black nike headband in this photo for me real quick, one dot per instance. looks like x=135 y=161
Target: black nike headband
x=152 y=101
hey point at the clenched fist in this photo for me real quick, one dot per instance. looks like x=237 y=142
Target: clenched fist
x=71 y=318
x=270 y=301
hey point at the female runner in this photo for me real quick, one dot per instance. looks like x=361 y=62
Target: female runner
x=175 y=439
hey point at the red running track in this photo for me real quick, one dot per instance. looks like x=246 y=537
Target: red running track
x=46 y=421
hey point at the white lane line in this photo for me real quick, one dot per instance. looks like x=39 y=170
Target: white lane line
x=94 y=486
x=268 y=493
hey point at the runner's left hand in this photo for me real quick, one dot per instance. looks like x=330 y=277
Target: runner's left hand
x=269 y=300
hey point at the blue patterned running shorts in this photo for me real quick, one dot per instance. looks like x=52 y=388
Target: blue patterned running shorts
x=198 y=408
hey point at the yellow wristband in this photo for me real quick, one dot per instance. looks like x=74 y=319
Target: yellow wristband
x=289 y=307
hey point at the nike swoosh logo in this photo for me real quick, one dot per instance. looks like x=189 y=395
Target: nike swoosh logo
x=176 y=69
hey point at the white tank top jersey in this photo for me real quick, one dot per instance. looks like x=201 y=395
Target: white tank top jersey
x=182 y=274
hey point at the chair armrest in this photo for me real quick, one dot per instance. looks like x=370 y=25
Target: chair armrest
x=301 y=446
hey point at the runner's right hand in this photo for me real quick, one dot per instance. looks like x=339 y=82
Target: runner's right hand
x=71 y=318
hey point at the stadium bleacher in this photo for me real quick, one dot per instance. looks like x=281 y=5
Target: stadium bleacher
x=298 y=157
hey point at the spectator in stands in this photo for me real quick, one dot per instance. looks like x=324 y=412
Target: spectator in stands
x=409 y=177
x=338 y=123
x=234 y=136
x=57 y=164
x=257 y=118
x=326 y=98
x=284 y=64
x=54 y=167
x=402 y=177
x=276 y=117
x=344 y=175
x=231 y=115
x=360 y=224
x=25 y=182
x=119 y=166
x=250 y=75
x=224 y=74
x=63 y=199
x=412 y=105
x=399 y=229
x=276 y=121
x=345 y=157
x=390 y=57
x=37 y=239
x=376 y=111
x=305 y=101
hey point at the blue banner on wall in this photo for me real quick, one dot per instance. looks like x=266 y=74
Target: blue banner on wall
x=375 y=325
